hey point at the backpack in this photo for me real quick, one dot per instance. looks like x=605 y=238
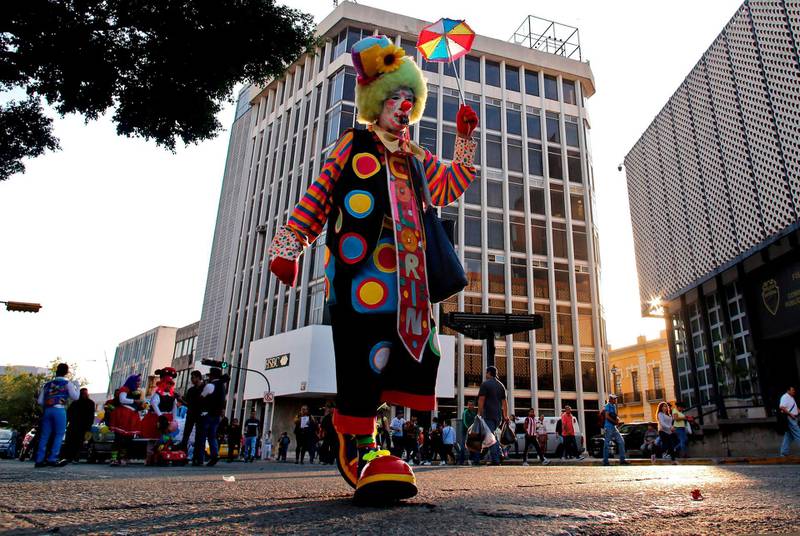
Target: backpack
x=601 y=418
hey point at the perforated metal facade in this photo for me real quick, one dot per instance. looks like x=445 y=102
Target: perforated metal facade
x=718 y=170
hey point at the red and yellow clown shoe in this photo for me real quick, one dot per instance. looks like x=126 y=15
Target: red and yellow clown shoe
x=378 y=477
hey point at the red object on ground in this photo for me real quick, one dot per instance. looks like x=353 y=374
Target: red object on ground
x=696 y=495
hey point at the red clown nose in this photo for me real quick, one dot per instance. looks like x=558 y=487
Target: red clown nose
x=406 y=106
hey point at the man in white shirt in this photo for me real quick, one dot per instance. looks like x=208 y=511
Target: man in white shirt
x=788 y=406
x=397 y=433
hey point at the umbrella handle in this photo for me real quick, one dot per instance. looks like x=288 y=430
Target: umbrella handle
x=457 y=74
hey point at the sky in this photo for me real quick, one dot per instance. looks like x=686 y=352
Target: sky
x=113 y=235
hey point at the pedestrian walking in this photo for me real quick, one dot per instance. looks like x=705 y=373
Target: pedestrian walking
x=396 y=426
x=493 y=407
x=283 y=446
x=531 y=438
x=410 y=440
x=234 y=439
x=327 y=452
x=680 y=424
x=666 y=431
x=192 y=402
x=467 y=418
x=541 y=434
x=610 y=423
x=448 y=442
x=788 y=408
x=267 y=450
x=80 y=417
x=251 y=432
x=212 y=404
x=54 y=397
x=306 y=435
x=568 y=433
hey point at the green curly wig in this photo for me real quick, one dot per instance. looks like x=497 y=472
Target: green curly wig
x=370 y=97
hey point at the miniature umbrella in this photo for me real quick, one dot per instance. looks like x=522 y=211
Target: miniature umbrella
x=446 y=40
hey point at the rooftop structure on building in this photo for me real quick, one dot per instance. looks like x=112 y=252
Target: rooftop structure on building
x=525 y=228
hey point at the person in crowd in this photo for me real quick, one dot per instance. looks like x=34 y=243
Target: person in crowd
x=252 y=426
x=411 y=438
x=80 y=417
x=54 y=397
x=267 y=454
x=493 y=407
x=559 y=435
x=788 y=408
x=306 y=435
x=125 y=420
x=163 y=403
x=397 y=425
x=568 y=433
x=531 y=438
x=234 y=440
x=650 y=439
x=212 y=404
x=192 y=403
x=610 y=423
x=283 y=446
x=435 y=441
x=328 y=448
x=448 y=442
x=541 y=434
x=467 y=418
x=679 y=422
x=222 y=430
x=666 y=431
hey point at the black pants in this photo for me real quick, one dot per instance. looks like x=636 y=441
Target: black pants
x=532 y=440
x=73 y=442
x=446 y=452
x=570 y=446
x=234 y=443
x=667 y=444
x=191 y=422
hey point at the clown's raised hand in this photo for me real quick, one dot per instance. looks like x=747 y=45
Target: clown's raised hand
x=466 y=121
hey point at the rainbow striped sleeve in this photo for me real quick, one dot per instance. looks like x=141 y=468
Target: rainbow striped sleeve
x=447 y=182
x=309 y=216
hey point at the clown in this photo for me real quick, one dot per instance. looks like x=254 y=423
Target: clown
x=124 y=420
x=162 y=403
x=370 y=191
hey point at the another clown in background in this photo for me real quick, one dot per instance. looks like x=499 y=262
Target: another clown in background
x=370 y=192
x=124 y=420
x=163 y=402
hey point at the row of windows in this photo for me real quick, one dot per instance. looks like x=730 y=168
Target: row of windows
x=185 y=347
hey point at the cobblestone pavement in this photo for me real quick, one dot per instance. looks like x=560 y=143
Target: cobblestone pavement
x=270 y=498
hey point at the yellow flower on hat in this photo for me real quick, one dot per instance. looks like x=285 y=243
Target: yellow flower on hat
x=389 y=59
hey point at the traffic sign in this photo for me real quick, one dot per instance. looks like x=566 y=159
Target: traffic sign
x=269 y=396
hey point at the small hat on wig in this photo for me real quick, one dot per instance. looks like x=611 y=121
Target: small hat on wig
x=381 y=68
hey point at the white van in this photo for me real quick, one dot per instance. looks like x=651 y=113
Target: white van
x=553 y=440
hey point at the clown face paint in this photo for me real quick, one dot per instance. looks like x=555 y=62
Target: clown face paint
x=396 y=109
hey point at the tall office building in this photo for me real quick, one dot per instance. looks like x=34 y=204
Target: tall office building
x=714 y=187
x=525 y=228
x=143 y=354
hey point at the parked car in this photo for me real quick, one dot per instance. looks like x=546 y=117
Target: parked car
x=632 y=434
x=8 y=443
x=554 y=445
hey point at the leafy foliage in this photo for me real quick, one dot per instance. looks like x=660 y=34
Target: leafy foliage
x=18 y=392
x=164 y=66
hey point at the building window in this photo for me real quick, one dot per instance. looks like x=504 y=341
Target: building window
x=537 y=200
x=635 y=382
x=410 y=47
x=472 y=231
x=519 y=276
x=431 y=105
x=516 y=194
x=472 y=267
x=494 y=230
x=534 y=125
x=568 y=87
x=497 y=284
x=571 y=131
x=452 y=69
x=427 y=135
x=544 y=370
x=513 y=122
x=492 y=116
x=585 y=330
x=588 y=372
x=472 y=68
x=473 y=365
x=557 y=201
x=535 y=160
x=550 y=87
x=566 y=365
x=430 y=66
x=473 y=194
x=559 y=240
x=494 y=151
x=514 y=154
x=555 y=169
x=541 y=286
x=685 y=377
x=576 y=207
x=538 y=238
x=512 y=78
x=492 y=73
x=448 y=142
x=582 y=288
x=580 y=248
x=561 y=273
x=531 y=83
x=494 y=194
x=553 y=131
x=450 y=108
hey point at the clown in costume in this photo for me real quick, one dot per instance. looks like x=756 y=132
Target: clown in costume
x=370 y=193
x=125 y=421
x=162 y=402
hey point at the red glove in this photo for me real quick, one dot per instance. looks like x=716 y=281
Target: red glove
x=466 y=121
x=285 y=270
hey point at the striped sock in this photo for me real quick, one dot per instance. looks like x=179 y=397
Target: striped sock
x=366 y=441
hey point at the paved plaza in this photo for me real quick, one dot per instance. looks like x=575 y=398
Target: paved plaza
x=269 y=498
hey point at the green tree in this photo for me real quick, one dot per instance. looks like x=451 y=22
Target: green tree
x=73 y=371
x=164 y=66
x=18 y=393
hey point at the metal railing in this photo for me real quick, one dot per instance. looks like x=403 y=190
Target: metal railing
x=655 y=394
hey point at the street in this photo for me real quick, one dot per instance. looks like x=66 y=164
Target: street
x=285 y=498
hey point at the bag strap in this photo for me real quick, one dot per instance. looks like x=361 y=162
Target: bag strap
x=426 y=193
